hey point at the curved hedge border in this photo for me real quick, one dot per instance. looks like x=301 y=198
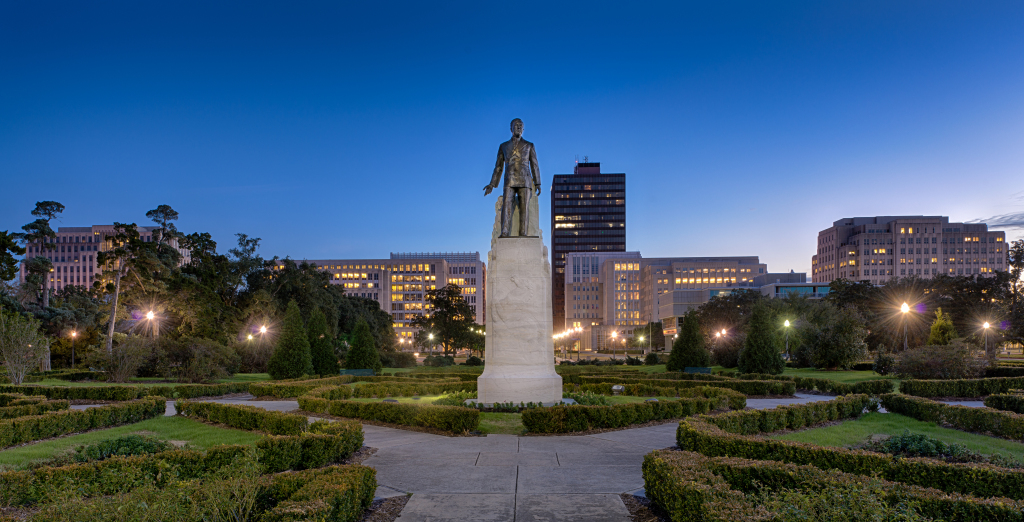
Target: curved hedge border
x=983 y=480
x=1000 y=423
x=568 y=419
x=967 y=388
x=690 y=486
x=17 y=399
x=873 y=387
x=39 y=408
x=249 y=418
x=453 y=419
x=647 y=387
x=127 y=393
x=737 y=400
x=55 y=424
x=286 y=389
x=1006 y=401
x=336 y=494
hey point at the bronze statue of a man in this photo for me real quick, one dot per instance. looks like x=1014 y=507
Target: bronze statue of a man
x=522 y=179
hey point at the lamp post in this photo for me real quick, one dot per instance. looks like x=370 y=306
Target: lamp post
x=615 y=334
x=641 y=344
x=788 y=355
x=904 y=309
x=431 y=337
x=74 y=334
x=985 y=326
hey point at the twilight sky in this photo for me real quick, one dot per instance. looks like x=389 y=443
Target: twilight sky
x=345 y=130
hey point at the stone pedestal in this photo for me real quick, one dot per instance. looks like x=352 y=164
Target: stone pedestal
x=519 y=351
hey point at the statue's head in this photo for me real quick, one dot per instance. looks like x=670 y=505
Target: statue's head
x=517 y=127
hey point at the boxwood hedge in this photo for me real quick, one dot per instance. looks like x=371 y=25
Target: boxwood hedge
x=249 y=418
x=568 y=419
x=1006 y=401
x=57 y=423
x=1000 y=423
x=453 y=419
x=37 y=408
x=960 y=387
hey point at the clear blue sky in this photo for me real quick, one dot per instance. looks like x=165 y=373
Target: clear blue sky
x=337 y=130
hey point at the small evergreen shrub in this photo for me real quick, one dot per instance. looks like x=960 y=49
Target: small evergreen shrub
x=292 y=356
x=690 y=348
x=762 y=347
x=249 y=418
x=650 y=360
x=398 y=360
x=321 y=345
x=474 y=361
x=363 y=354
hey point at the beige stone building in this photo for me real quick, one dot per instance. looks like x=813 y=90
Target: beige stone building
x=876 y=249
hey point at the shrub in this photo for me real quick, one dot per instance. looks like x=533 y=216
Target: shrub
x=37 y=408
x=405 y=360
x=689 y=349
x=291 y=357
x=727 y=354
x=454 y=399
x=1006 y=402
x=910 y=444
x=586 y=398
x=445 y=418
x=668 y=387
x=834 y=338
x=634 y=361
x=438 y=361
x=193 y=359
x=650 y=360
x=698 y=434
x=567 y=419
x=980 y=420
x=54 y=424
x=961 y=387
x=250 y=418
x=794 y=416
x=287 y=389
x=321 y=345
x=690 y=486
x=120 y=446
x=942 y=331
x=474 y=361
x=363 y=354
x=761 y=350
x=885 y=363
x=127 y=355
x=940 y=362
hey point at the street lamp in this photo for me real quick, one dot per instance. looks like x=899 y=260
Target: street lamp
x=641 y=343
x=788 y=355
x=263 y=329
x=74 y=334
x=985 y=326
x=615 y=334
x=904 y=309
x=431 y=337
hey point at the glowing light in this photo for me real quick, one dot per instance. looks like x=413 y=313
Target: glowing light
x=250 y=337
x=718 y=334
x=150 y=315
x=723 y=331
x=905 y=308
x=263 y=329
x=786 y=323
x=986 y=325
x=416 y=354
x=431 y=337
x=75 y=334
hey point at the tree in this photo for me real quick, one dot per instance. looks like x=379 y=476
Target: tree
x=163 y=215
x=942 y=332
x=1015 y=263
x=690 y=348
x=321 y=345
x=126 y=255
x=37 y=235
x=292 y=357
x=363 y=354
x=833 y=337
x=22 y=344
x=654 y=336
x=125 y=358
x=450 y=318
x=8 y=250
x=762 y=348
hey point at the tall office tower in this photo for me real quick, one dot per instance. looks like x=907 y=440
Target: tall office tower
x=464 y=269
x=588 y=214
x=876 y=249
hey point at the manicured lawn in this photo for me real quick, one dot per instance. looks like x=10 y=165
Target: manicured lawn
x=502 y=423
x=855 y=432
x=246 y=377
x=197 y=434
x=393 y=371
x=848 y=377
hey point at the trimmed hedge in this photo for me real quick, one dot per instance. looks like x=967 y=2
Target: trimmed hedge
x=690 y=486
x=249 y=418
x=1006 y=401
x=983 y=480
x=568 y=419
x=39 y=408
x=961 y=387
x=127 y=393
x=294 y=388
x=325 y=443
x=1000 y=423
x=58 y=423
x=793 y=416
x=335 y=494
x=873 y=387
x=17 y=399
x=385 y=389
x=647 y=387
x=737 y=400
x=453 y=419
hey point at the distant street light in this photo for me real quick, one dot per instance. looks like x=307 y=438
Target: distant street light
x=150 y=315
x=788 y=355
x=74 y=334
x=904 y=309
x=250 y=337
x=614 y=335
x=263 y=329
x=985 y=326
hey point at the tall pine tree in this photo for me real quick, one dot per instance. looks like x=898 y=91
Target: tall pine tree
x=321 y=346
x=363 y=353
x=762 y=350
x=291 y=357
x=689 y=349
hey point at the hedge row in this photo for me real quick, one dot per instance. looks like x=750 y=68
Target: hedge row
x=568 y=419
x=961 y=387
x=453 y=419
x=983 y=480
x=55 y=424
x=409 y=390
x=294 y=388
x=793 y=416
x=39 y=408
x=647 y=387
x=121 y=474
x=250 y=418
x=643 y=378
x=690 y=486
x=737 y=400
x=17 y=399
x=127 y=393
x=1006 y=401
x=335 y=494
x=873 y=387
x=71 y=375
x=1000 y=423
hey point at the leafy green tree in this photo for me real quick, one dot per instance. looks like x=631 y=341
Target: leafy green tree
x=292 y=357
x=127 y=255
x=690 y=348
x=450 y=319
x=833 y=337
x=321 y=345
x=730 y=311
x=22 y=344
x=942 y=332
x=8 y=250
x=39 y=236
x=363 y=355
x=762 y=347
x=654 y=336
x=163 y=215
x=1015 y=306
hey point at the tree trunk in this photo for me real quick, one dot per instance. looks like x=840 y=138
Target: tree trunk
x=113 y=312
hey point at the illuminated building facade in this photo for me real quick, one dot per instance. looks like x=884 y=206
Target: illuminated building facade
x=588 y=214
x=876 y=249
x=464 y=269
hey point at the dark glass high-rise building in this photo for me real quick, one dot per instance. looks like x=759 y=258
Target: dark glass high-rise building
x=588 y=214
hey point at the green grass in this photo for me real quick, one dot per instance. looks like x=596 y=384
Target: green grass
x=393 y=371
x=197 y=434
x=856 y=432
x=246 y=377
x=502 y=423
x=849 y=377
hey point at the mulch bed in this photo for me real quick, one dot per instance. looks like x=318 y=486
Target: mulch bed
x=642 y=510
x=385 y=509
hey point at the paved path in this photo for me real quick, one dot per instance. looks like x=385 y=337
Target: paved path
x=511 y=478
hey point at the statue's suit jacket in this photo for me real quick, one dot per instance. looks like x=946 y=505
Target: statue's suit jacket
x=520 y=164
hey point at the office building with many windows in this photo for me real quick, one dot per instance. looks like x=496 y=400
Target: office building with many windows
x=877 y=249
x=464 y=269
x=588 y=214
